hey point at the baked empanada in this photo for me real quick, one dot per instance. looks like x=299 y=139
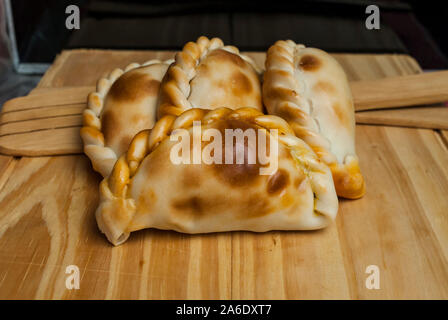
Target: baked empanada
x=124 y=104
x=147 y=189
x=206 y=74
x=309 y=89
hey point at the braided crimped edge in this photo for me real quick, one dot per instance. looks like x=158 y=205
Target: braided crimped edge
x=177 y=89
x=280 y=64
x=103 y=158
x=115 y=187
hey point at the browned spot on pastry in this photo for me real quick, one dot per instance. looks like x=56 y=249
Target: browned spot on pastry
x=325 y=86
x=113 y=130
x=204 y=70
x=146 y=201
x=278 y=181
x=96 y=100
x=133 y=86
x=310 y=63
x=238 y=174
x=348 y=180
x=281 y=94
x=286 y=200
x=290 y=113
x=196 y=207
x=240 y=84
x=192 y=205
x=224 y=55
x=136 y=119
x=341 y=114
x=110 y=125
x=254 y=206
x=156 y=163
x=279 y=73
x=190 y=177
x=92 y=133
x=232 y=82
x=298 y=181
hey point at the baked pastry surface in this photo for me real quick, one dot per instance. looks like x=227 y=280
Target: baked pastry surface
x=147 y=190
x=124 y=104
x=207 y=74
x=309 y=89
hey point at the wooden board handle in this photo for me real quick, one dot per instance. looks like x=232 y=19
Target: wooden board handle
x=402 y=91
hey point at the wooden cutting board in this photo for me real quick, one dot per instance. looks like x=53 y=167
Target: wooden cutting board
x=47 y=223
x=47 y=122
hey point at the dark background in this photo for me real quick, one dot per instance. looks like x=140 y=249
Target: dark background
x=414 y=27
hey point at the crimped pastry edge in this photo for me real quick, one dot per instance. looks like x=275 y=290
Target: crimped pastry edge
x=347 y=176
x=103 y=158
x=114 y=188
x=182 y=72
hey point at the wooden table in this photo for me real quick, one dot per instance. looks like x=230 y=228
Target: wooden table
x=47 y=207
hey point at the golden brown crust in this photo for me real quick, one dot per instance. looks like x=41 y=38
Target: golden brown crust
x=232 y=79
x=131 y=86
x=100 y=126
x=286 y=93
x=115 y=197
x=348 y=180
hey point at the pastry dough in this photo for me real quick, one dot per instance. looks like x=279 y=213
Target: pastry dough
x=124 y=104
x=309 y=89
x=206 y=74
x=147 y=190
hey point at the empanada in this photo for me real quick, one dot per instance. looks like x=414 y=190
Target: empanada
x=124 y=104
x=146 y=189
x=309 y=89
x=206 y=74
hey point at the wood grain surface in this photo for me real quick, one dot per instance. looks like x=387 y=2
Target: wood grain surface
x=47 y=223
x=409 y=90
x=444 y=134
x=430 y=117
